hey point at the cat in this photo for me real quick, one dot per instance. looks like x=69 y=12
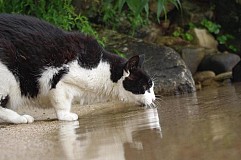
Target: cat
x=44 y=66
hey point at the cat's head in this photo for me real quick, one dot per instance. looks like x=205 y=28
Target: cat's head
x=136 y=85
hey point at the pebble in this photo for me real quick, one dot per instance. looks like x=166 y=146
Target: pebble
x=223 y=76
x=204 y=75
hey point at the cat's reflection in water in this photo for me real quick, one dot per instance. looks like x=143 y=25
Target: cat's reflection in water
x=108 y=137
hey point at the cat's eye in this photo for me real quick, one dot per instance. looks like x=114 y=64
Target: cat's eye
x=146 y=88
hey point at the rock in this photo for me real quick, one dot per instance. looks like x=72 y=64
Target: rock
x=198 y=86
x=210 y=82
x=204 y=75
x=219 y=63
x=192 y=57
x=166 y=66
x=219 y=80
x=223 y=76
x=236 y=73
x=171 y=74
x=204 y=39
x=170 y=41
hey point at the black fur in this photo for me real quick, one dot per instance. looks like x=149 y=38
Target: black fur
x=3 y=101
x=116 y=65
x=138 y=82
x=57 y=77
x=91 y=55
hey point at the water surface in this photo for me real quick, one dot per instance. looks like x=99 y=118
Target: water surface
x=204 y=125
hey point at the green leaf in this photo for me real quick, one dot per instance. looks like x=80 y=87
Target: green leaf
x=161 y=7
x=120 y=4
x=233 y=48
x=136 y=6
x=176 y=34
x=188 y=37
x=147 y=10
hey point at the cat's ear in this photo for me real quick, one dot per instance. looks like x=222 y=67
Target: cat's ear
x=134 y=62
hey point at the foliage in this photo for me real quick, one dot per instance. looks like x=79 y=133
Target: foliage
x=212 y=27
x=136 y=11
x=179 y=32
x=121 y=54
x=223 y=39
x=58 y=12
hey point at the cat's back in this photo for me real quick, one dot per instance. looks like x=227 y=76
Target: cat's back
x=33 y=43
x=21 y=25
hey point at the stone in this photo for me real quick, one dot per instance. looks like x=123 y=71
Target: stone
x=236 y=73
x=204 y=75
x=210 y=82
x=204 y=39
x=164 y=64
x=198 y=86
x=219 y=63
x=170 y=41
x=192 y=57
x=223 y=76
x=169 y=70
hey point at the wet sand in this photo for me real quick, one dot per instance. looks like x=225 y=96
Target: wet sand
x=204 y=125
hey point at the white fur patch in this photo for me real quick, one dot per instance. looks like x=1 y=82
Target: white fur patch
x=47 y=75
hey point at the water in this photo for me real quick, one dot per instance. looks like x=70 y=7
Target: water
x=204 y=125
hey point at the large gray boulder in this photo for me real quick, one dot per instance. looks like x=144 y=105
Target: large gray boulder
x=169 y=71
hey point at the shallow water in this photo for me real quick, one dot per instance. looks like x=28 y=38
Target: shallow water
x=204 y=125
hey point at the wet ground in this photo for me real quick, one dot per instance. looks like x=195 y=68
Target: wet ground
x=202 y=126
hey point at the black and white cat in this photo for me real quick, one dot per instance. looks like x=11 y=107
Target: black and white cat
x=44 y=66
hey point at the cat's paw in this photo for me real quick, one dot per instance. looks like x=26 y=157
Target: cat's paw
x=24 y=119
x=67 y=116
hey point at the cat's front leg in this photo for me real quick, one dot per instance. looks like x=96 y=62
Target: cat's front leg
x=11 y=116
x=61 y=102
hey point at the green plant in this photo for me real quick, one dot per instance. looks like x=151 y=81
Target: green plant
x=179 y=32
x=136 y=11
x=161 y=6
x=211 y=26
x=119 y=53
x=58 y=12
x=223 y=39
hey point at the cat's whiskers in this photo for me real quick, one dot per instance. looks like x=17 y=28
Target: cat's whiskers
x=158 y=100
x=153 y=76
x=152 y=105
